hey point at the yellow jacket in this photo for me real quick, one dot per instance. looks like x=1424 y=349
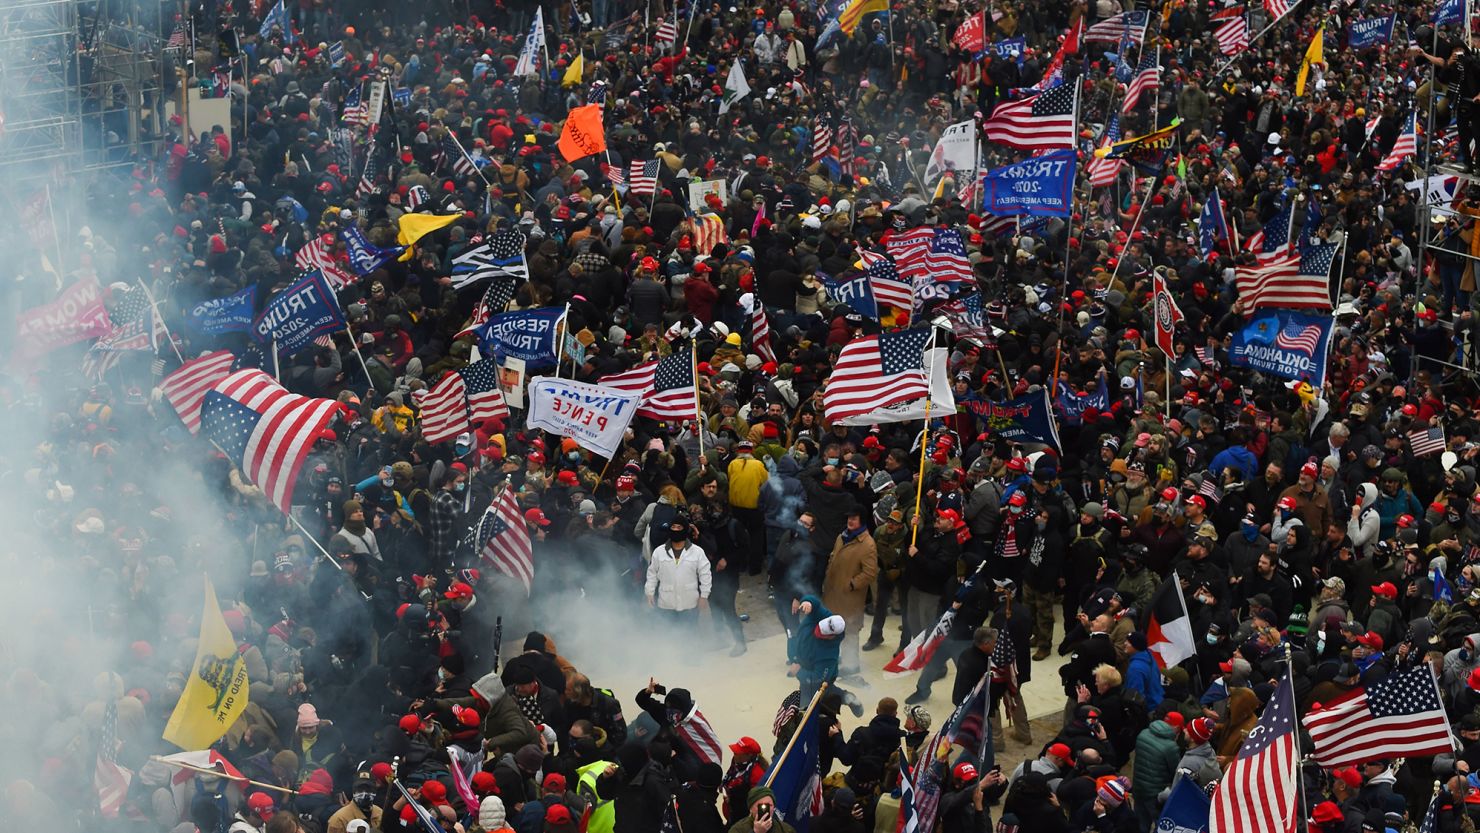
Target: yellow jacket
x=747 y=476
x=402 y=416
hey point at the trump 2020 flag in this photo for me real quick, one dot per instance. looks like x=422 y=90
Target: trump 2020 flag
x=365 y=257
x=216 y=690
x=1286 y=343
x=1364 y=34
x=1073 y=405
x=232 y=314
x=527 y=335
x=795 y=777
x=857 y=293
x=1025 y=419
x=1186 y=810
x=1042 y=186
x=299 y=314
x=1212 y=227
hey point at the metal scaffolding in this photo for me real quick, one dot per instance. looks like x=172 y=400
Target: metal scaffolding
x=39 y=90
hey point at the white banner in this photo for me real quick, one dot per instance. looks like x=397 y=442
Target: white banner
x=594 y=416
x=956 y=151
x=699 y=190
x=511 y=379
x=942 y=404
x=377 y=101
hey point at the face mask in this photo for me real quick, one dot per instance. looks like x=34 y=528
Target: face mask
x=363 y=800
x=459 y=487
x=1320 y=643
x=462 y=450
x=678 y=535
x=1464 y=655
x=442 y=674
x=674 y=715
x=1211 y=639
x=833 y=461
x=1250 y=532
x=573 y=456
x=387 y=483
x=1040 y=522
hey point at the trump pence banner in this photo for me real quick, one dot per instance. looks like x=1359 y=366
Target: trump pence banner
x=596 y=417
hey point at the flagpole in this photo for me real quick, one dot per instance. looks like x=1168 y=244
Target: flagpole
x=1053 y=386
x=806 y=715
x=219 y=774
x=479 y=171
x=56 y=239
x=564 y=327
x=698 y=411
x=1226 y=64
x=276 y=369
x=355 y=346
x=154 y=310
x=924 y=438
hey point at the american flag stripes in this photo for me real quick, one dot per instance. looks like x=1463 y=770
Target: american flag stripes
x=1294 y=281
x=1147 y=79
x=846 y=138
x=1258 y=790
x=696 y=733
x=614 y=175
x=946 y=259
x=370 y=176
x=877 y=371
x=821 y=141
x=452 y=150
x=967 y=320
x=496 y=298
x=1277 y=8
x=709 y=231
x=642 y=177
x=888 y=288
x=264 y=430
x=416 y=197
x=666 y=37
x=1104 y=170
x=908 y=249
x=502 y=254
x=1272 y=242
x=1400 y=716
x=1296 y=336
x=1232 y=34
x=1113 y=29
x=463 y=397
x=503 y=539
x=908 y=822
x=356 y=109
x=177 y=37
x=110 y=779
x=1426 y=441
x=667 y=387
x=921 y=648
x=1404 y=147
x=316 y=254
x=136 y=326
x=186 y=388
x=1046 y=121
x=760 y=333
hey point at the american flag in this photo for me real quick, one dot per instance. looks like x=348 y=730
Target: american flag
x=847 y=141
x=709 y=231
x=967 y=320
x=614 y=175
x=264 y=430
x=462 y=397
x=667 y=35
x=461 y=164
x=502 y=254
x=316 y=254
x=698 y=735
x=821 y=140
x=136 y=327
x=1258 y=790
x=1431 y=818
x=1211 y=490
x=1232 y=34
x=503 y=540
x=875 y=372
x=186 y=388
x=946 y=260
x=1404 y=147
x=888 y=288
x=1046 y=121
x=1004 y=667
x=760 y=333
x=177 y=37
x=1113 y=29
x=1399 y=716
x=907 y=249
x=642 y=177
x=1426 y=440
x=1105 y=170
x=1294 y=281
x=369 y=176
x=909 y=821
x=1272 y=242
x=1148 y=78
x=496 y=297
x=1295 y=336
x=1277 y=8
x=416 y=197
x=110 y=779
x=667 y=387
x=356 y=109
x=921 y=648
x=597 y=93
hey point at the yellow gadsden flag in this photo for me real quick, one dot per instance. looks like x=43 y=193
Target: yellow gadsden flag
x=216 y=691
x=1314 y=54
x=573 y=75
x=413 y=227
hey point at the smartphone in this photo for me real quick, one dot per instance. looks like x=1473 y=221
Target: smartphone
x=763 y=812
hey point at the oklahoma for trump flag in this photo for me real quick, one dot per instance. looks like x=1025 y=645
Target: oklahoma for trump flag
x=216 y=690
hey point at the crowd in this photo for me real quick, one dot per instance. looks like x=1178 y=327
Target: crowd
x=1305 y=532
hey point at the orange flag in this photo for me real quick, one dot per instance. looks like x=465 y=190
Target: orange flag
x=583 y=134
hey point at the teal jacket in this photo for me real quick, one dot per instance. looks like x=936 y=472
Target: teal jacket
x=818 y=657
x=1157 y=755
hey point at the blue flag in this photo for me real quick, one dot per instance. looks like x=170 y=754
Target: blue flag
x=401 y=96
x=1450 y=11
x=527 y=335
x=365 y=257
x=1073 y=406
x=278 y=16
x=856 y=292
x=1187 y=809
x=1011 y=49
x=1364 y=34
x=797 y=779
x=1026 y=419
x=1286 y=343
x=336 y=53
x=1042 y=186
x=296 y=316
x=1442 y=591
x=1211 y=226
x=232 y=314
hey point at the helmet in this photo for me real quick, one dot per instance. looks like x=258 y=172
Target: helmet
x=880 y=482
x=720 y=329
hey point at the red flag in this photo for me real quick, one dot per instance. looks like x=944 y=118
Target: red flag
x=970 y=36
x=1168 y=316
x=918 y=653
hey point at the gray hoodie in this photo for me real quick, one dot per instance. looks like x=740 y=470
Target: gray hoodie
x=1458 y=664
x=1362 y=530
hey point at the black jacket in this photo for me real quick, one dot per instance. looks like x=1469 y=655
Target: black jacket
x=1092 y=652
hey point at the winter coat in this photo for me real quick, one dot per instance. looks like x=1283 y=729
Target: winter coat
x=1363 y=529
x=818 y=657
x=1141 y=674
x=1202 y=762
x=678 y=583
x=1157 y=755
x=851 y=571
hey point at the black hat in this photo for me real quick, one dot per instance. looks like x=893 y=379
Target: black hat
x=518 y=673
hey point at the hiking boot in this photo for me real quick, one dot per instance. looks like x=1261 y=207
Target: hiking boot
x=1041 y=654
x=917 y=697
x=872 y=643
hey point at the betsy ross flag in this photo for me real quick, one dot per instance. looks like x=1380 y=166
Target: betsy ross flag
x=1399 y=716
x=1258 y=790
x=875 y=372
x=1294 y=281
x=642 y=177
x=502 y=539
x=1147 y=79
x=502 y=254
x=110 y=779
x=1404 y=147
x=1114 y=28
x=187 y=387
x=920 y=649
x=264 y=430
x=667 y=387
x=1212 y=226
x=461 y=398
x=1046 y=121
x=1426 y=441
x=1168 y=627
